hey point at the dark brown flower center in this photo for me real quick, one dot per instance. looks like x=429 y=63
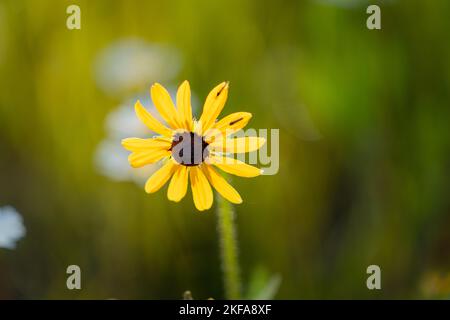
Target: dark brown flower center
x=189 y=149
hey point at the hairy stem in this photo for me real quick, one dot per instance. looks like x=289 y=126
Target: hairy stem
x=228 y=248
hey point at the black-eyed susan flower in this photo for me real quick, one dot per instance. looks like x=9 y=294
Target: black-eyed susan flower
x=190 y=149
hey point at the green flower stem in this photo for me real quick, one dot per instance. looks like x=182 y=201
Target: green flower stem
x=228 y=249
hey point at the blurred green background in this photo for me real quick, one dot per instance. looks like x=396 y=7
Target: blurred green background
x=364 y=146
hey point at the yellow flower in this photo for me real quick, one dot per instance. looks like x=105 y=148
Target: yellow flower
x=190 y=148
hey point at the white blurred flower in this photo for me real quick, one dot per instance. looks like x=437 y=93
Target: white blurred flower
x=11 y=227
x=122 y=121
x=111 y=159
x=132 y=64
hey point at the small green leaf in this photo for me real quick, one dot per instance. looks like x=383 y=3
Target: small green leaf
x=263 y=286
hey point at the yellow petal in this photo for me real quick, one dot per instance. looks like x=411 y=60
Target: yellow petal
x=160 y=177
x=238 y=145
x=213 y=105
x=201 y=190
x=150 y=121
x=137 y=144
x=184 y=105
x=229 y=124
x=178 y=185
x=221 y=185
x=234 y=166
x=141 y=158
x=163 y=102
